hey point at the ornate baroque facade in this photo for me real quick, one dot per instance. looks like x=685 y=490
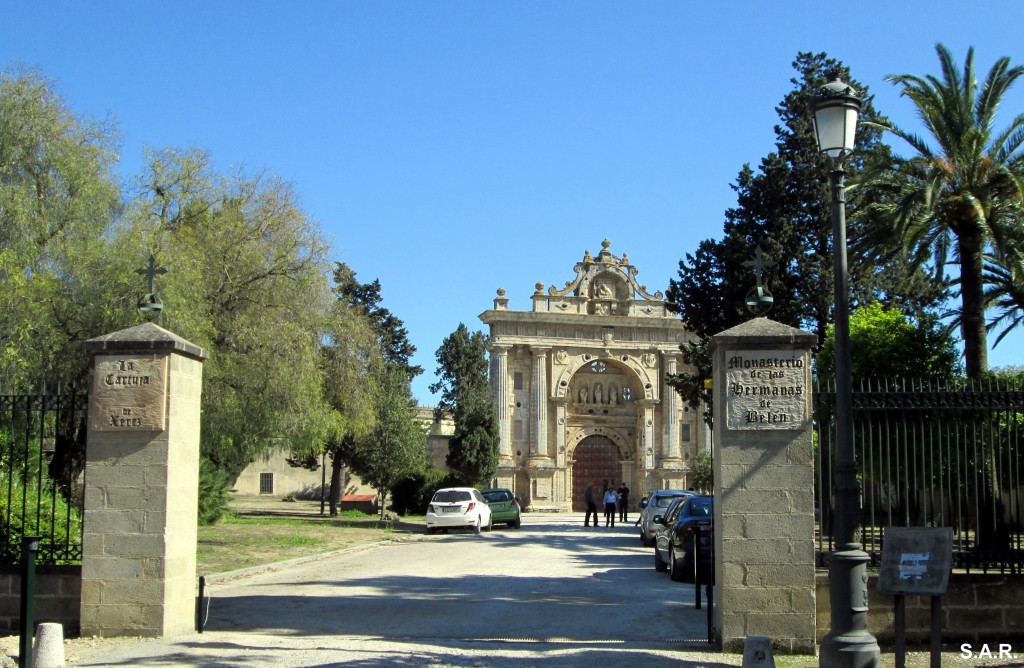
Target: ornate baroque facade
x=581 y=392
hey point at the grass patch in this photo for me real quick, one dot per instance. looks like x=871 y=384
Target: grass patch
x=258 y=534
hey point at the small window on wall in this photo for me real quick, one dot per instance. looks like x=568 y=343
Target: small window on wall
x=686 y=433
x=266 y=483
x=517 y=380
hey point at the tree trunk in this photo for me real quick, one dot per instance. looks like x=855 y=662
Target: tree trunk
x=972 y=315
x=337 y=481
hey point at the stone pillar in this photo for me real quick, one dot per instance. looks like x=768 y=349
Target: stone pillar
x=561 y=426
x=142 y=480
x=539 y=440
x=670 y=403
x=499 y=384
x=648 y=426
x=764 y=486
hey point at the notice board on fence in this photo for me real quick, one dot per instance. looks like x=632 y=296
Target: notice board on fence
x=916 y=561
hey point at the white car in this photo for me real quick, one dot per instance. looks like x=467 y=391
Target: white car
x=457 y=507
x=656 y=506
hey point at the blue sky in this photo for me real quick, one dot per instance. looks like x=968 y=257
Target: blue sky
x=452 y=148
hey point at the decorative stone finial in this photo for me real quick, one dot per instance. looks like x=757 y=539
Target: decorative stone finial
x=540 y=288
x=501 y=301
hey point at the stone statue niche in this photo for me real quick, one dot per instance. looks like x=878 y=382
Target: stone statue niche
x=601 y=388
x=608 y=293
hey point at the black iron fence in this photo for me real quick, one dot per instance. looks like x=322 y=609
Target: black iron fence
x=42 y=457
x=932 y=454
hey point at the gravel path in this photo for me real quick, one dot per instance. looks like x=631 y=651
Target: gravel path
x=551 y=594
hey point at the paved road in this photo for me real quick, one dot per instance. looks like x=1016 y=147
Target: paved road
x=552 y=593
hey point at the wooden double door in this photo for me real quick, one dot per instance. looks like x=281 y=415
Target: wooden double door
x=596 y=462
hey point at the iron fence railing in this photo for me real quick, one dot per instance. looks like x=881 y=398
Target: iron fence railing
x=42 y=456
x=932 y=453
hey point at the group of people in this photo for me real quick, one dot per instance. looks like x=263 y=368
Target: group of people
x=615 y=499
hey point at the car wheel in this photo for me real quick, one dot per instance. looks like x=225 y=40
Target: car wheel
x=490 y=522
x=430 y=531
x=659 y=565
x=476 y=527
x=514 y=523
x=676 y=572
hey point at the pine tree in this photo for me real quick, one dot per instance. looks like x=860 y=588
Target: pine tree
x=466 y=396
x=784 y=208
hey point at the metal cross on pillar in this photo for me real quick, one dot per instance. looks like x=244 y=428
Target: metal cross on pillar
x=150 y=304
x=759 y=300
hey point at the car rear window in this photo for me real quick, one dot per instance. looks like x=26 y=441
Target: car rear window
x=700 y=507
x=451 y=496
x=665 y=501
x=497 y=496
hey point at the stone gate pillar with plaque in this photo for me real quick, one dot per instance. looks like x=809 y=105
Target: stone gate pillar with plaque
x=141 y=484
x=764 y=486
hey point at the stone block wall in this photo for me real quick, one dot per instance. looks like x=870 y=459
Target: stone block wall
x=977 y=609
x=764 y=487
x=58 y=592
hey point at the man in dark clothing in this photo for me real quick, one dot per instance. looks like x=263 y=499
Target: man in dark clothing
x=588 y=499
x=623 y=501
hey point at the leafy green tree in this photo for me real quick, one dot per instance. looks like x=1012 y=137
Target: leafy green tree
x=466 y=396
x=397 y=444
x=704 y=473
x=58 y=200
x=246 y=280
x=374 y=340
x=784 y=207
x=956 y=196
x=59 y=283
x=887 y=345
x=351 y=361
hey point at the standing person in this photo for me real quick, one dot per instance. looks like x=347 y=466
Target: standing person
x=623 y=501
x=588 y=499
x=610 y=499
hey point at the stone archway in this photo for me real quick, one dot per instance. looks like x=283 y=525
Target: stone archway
x=595 y=460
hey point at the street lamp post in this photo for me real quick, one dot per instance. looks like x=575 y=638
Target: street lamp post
x=848 y=644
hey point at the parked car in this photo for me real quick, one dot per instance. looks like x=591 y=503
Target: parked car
x=689 y=524
x=457 y=507
x=504 y=506
x=657 y=504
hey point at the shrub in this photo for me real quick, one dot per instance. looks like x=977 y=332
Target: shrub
x=411 y=494
x=214 y=492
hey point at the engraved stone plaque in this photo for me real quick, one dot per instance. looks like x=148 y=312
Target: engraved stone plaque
x=129 y=393
x=766 y=389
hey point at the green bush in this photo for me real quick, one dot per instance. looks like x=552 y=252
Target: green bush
x=411 y=494
x=214 y=492
x=27 y=511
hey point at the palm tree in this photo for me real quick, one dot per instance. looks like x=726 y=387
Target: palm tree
x=1004 y=276
x=958 y=199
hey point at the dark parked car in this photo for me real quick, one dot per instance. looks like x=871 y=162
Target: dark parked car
x=688 y=523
